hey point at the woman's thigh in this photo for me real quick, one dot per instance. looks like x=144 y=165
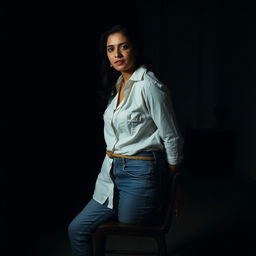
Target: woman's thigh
x=90 y=217
x=138 y=184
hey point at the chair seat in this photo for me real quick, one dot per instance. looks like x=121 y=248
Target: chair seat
x=118 y=227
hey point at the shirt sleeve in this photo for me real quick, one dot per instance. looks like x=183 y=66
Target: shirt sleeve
x=159 y=105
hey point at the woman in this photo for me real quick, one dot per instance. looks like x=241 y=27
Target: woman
x=141 y=138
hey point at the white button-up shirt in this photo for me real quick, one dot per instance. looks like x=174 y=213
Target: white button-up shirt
x=143 y=121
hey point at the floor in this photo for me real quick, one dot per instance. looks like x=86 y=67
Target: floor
x=217 y=218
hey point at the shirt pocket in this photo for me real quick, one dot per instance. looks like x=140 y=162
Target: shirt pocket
x=134 y=121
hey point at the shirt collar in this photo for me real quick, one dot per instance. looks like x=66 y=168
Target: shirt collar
x=137 y=75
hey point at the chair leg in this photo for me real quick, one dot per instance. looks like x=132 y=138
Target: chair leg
x=100 y=244
x=161 y=244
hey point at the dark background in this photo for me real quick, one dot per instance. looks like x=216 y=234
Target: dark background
x=203 y=50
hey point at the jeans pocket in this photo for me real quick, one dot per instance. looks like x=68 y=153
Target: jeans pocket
x=140 y=169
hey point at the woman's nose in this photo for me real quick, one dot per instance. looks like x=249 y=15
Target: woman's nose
x=118 y=54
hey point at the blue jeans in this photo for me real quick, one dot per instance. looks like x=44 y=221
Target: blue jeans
x=137 y=197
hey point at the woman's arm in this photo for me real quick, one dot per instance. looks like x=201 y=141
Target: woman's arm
x=158 y=102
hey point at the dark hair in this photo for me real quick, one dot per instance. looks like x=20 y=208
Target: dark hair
x=109 y=75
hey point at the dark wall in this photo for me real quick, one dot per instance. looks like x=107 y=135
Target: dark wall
x=4 y=236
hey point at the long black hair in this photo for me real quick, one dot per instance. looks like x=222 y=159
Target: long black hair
x=108 y=74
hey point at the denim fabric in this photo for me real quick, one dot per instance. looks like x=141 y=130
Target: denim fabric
x=82 y=226
x=137 y=197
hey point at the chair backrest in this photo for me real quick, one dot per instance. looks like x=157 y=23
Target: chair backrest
x=169 y=207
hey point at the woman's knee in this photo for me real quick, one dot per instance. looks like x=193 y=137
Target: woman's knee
x=73 y=228
x=81 y=225
x=88 y=219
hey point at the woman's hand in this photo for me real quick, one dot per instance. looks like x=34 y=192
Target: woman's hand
x=173 y=168
x=179 y=195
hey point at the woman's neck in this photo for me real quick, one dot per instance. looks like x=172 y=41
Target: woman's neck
x=126 y=75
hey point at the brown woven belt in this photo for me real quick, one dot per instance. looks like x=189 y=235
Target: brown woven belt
x=111 y=155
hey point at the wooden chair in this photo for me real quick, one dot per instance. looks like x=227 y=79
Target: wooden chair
x=156 y=232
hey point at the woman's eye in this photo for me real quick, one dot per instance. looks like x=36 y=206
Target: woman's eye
x=124 y=46
x=109 y=49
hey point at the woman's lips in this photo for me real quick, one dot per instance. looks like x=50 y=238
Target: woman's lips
x=119 y=62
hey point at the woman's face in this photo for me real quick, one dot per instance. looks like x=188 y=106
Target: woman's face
x=121 y=53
